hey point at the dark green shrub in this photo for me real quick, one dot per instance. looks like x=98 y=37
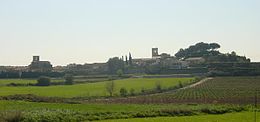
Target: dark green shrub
x=69 y=80
x=158 y=87
x=173 y=112
x=43 y=81
x=132 y=92
x=123 y=92
x=180 y=84
x=119 y=73
x=142 y=90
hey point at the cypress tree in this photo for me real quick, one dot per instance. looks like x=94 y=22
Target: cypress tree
x=126 y=60
x=130 y=59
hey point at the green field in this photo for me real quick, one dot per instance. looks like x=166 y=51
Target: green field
x=230 y=117
x=4 y=82
x=39 y=111
x=21 y=81
x=221 y=99
x=90 y=89
x=103 y=107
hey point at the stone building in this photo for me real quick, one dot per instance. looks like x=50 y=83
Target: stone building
x=195 y=60
x=40 y=66
x=163 y=59
x=155 y=53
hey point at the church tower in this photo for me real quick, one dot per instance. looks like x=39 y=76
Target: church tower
x=155 y=52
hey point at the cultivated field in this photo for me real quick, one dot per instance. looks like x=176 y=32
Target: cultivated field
x=225 y=89
x=237 y=90
x=230 y=117
x=36 y=111
x=232 y=98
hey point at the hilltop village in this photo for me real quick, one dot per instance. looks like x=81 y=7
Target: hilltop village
x=199 y=59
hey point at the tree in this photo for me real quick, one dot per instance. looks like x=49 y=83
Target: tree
x=43 y=81
x=233 y=53
x=114 y=64
x=126 y=60
x=123 y=92
x=130 y=59
x=110 y=87
x=214 y=46
x=69 y=80
x=132 y=91
x=158 y=86
x=180 y=84
x=198 y=50
x=119 y=72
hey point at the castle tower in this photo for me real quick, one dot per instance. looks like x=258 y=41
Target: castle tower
x=36 y=58
x=155 y=52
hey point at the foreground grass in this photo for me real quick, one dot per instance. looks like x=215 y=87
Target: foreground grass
x=229 y=117
x=92 y=107
x=35 y=111
x=92 y=89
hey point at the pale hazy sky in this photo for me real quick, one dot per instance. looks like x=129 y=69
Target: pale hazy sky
x=86 y=31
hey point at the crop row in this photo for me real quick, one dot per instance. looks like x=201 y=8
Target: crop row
x=238 y=90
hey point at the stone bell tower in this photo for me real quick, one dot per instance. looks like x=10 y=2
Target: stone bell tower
x=155 y=52
x=36 y=58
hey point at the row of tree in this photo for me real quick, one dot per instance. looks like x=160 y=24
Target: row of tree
x=119 y=65
x=210 y=52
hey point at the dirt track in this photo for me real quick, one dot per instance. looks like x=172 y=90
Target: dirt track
x=195 y=84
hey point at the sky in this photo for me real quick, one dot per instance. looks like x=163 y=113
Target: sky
x=87 y=31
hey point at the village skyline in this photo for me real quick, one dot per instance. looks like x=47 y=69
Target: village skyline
x=123 y=56
x=88 y=31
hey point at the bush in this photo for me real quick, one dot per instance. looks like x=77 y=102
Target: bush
x=69 y=80
x=143 y=90
x=119 y=73
x=180 y=84
x=123 y=92
x=158 y=87
x=43 y=81
x=132 y=92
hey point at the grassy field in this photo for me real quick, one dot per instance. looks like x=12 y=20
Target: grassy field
x=218 y=96
x=37 y=111
x=22 y=81
x=4 y=82
x=102 y=107
x=230 y=117
x=89 y=89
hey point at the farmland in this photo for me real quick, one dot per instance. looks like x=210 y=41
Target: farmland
x=223 y=89
x=238 y=90
x=230 y=117
x=229 y=97
x=35 y=111
x=91 y=89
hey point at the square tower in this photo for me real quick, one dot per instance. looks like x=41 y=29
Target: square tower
x=155 y=52
x=36 y=58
